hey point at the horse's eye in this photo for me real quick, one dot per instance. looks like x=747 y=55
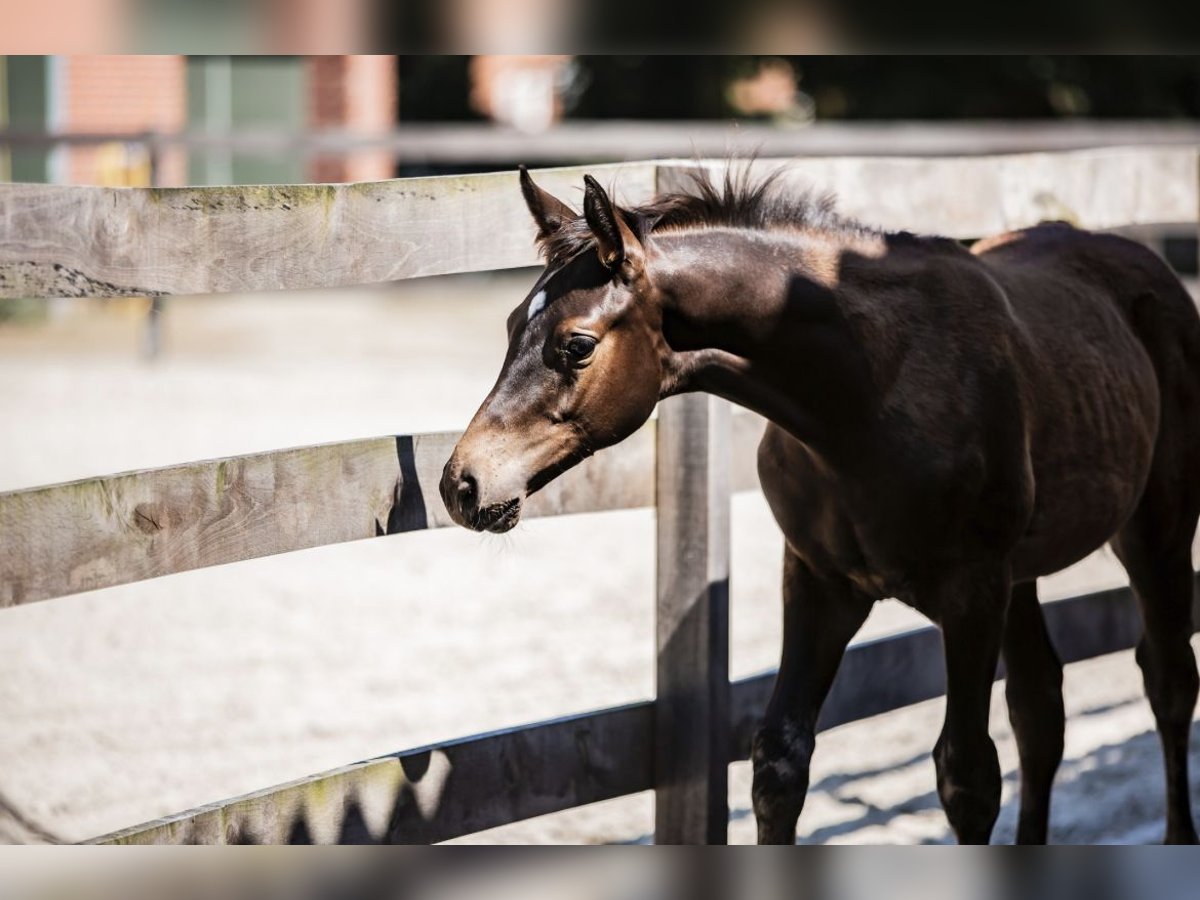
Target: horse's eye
x=580 y=347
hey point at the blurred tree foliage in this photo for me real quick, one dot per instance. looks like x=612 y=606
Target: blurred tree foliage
x=435 y=88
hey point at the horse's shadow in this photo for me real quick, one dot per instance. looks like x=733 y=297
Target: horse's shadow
x=1111 y=794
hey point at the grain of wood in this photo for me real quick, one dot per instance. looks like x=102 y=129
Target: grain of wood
x=63 y=241
x=692 y=620
x=87 y=241
x=100 y=532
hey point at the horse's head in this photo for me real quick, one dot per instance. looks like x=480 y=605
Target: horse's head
x=584 y=365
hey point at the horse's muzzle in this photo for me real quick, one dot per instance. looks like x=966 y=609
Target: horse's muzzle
x=499 y=517
x=460 y=493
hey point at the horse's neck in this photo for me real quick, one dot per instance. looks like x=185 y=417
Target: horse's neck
x=767 y=307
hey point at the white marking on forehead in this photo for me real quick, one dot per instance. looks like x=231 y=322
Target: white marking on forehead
x=536 y=305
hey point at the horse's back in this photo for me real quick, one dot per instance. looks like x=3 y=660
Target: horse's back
x=1086 y=292
x=1034 y=263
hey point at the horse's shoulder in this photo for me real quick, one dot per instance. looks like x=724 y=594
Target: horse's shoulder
x=954 y=283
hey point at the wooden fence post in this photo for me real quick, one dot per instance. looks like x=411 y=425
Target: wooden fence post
x=692 y=702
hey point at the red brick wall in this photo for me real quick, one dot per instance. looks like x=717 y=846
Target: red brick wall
x=123 y=94
x=353 y=94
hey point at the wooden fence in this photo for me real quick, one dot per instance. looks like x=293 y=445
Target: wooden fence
x=111 y=530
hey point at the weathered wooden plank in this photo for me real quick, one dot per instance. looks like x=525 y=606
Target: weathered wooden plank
x=970 y=197
x=443 y=791
x=60 y=241
x=101 y=532
x=98 y=532
x=85 y=241
x=434 y=793
x=692 y=621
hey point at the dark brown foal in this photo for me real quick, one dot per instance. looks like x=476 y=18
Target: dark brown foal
x=946 y=426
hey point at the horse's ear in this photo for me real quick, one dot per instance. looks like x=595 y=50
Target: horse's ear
x=548 y=211
x=615 y=239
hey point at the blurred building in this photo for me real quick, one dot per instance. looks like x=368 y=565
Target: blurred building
x=212 y=98
x=208 y=96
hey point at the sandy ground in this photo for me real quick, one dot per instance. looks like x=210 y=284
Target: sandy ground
x=134 y=702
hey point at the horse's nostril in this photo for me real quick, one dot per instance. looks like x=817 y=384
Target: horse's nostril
x=468 y=492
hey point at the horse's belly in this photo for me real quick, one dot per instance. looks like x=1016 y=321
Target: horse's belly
x=1089 y=472
x=1089 y=519
x=825 y=530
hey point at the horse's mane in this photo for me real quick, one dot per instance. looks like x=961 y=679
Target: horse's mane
x=737 y=201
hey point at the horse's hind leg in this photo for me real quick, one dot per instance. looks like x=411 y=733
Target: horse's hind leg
x=1162 y=583
x=1155 y=544
x=820 y=616
x=1035 y=708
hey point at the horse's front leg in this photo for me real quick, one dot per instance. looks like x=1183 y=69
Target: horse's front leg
x=970 y=608
x=820 y=616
